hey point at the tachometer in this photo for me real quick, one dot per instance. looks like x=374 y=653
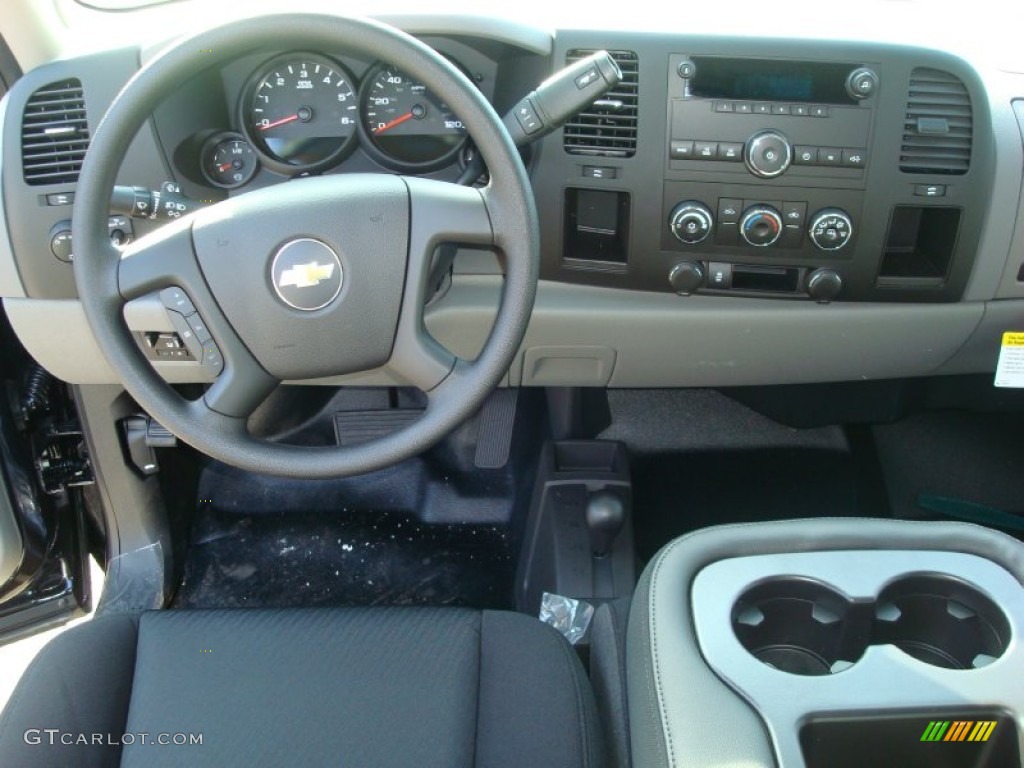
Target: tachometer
x=302 y=114
x=405 y=125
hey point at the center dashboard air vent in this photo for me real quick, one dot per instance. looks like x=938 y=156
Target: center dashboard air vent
x=609 y=127
x=938 y=128
x=54 y=134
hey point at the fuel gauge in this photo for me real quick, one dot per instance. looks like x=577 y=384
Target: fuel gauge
x=228 y=161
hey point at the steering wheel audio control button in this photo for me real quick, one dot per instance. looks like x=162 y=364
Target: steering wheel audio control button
x=176 y=300
x=306 y=274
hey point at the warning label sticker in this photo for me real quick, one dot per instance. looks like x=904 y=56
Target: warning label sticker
x=1010 y=368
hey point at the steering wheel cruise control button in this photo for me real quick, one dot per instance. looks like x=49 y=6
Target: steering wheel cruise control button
x=306 y=274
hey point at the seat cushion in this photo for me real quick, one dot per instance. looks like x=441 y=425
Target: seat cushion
x=338 y=687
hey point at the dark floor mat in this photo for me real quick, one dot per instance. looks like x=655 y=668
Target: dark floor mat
x=677 y=493
x=954 y=456
x=699 y=458
x=357 y=558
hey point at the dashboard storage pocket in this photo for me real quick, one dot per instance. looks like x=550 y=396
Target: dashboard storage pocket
x=941 y=621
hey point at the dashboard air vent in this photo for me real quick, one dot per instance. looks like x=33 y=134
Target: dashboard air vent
x=54 y=134
x=609 y=127
x=938 y=126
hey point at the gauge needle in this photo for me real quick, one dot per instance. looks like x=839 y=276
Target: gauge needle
x=276 y=123
x=397 y=121
x=225 y=167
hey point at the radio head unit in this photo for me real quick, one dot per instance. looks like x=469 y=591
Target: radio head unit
x=718 y=77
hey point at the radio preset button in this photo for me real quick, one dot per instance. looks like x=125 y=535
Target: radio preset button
x=780 y=109
x=819 y=110
x=800 y=110
x=768 y=154
x=724 y=106
x=762 y=108
x=744 y=107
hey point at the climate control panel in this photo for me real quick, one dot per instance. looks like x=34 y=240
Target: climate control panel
x=759 y=225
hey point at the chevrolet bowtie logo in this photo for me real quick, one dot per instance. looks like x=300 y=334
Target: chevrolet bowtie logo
x=305 y=275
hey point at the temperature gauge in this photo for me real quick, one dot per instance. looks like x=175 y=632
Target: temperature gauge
x=228 y=161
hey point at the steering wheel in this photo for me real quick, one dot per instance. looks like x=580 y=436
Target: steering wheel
x=310 y=278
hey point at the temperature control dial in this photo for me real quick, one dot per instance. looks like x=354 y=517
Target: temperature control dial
x=830 y=229
x=691 y=222
x=761 y=225
x=768 y=154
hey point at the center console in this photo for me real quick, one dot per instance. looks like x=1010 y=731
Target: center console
x=830 y=643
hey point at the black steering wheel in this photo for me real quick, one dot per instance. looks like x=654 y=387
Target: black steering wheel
x=316 y=277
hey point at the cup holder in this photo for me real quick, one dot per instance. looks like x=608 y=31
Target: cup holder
x=804 y=627
x=800 y=626
x=941 y=621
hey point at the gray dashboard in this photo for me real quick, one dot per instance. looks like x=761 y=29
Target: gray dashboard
x=607 y=313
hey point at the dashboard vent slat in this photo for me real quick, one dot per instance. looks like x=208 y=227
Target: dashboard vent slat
x=607 y=131
x=54 y=134
x=937 y=95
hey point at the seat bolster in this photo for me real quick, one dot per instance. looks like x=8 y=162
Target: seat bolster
x=78 y=688
x=536 y=705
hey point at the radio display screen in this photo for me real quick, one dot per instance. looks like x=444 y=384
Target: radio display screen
x=928 y=740
x=771 y=80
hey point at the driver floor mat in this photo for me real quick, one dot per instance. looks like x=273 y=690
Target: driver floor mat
x=354 y=558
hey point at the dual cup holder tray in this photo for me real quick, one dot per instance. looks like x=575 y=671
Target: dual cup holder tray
x=808 y=635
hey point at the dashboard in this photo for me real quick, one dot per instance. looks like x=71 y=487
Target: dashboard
x=735 y=211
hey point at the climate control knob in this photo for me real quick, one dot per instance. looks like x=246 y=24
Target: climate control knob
x=761 y=225
x=768 y=154
x=830 y=229
x=691 y=222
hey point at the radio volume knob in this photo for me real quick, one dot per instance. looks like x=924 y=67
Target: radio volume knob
x=691 y=222
x=768 y=154
x=830 y=229
x=761 y=225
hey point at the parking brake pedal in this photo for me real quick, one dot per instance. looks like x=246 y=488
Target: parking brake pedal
x=141 y=434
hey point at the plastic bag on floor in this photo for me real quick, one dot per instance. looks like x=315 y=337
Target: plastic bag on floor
x=569 y=616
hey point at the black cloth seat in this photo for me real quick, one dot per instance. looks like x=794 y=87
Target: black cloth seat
x=360 y=687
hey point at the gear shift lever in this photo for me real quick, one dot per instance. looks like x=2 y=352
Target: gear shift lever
x=606 y=515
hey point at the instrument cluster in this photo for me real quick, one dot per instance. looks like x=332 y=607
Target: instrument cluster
x=304 y=112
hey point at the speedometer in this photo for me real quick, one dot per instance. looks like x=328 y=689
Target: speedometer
x=405 y=125
x=302 y=113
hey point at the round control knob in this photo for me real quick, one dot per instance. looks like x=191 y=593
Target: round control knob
x=861 y=83
x=824 y=284
x=690 y=222
x=686 y=277
x=830 y=229
x=768 y=154
x=761 y=225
